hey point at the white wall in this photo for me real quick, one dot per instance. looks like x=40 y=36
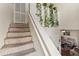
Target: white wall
x=5 y=20
x=68 y=15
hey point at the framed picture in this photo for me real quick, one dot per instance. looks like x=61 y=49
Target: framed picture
x=67 y=32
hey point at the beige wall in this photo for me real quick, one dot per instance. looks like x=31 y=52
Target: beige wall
x=68 y=15
x=5 y=20
x=75 y=34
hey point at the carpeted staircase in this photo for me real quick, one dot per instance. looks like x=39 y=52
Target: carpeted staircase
x=18 y=41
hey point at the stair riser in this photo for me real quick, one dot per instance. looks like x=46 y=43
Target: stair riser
x=16 y=49
x=16 y=41
x=18 y=34
x=17 y=29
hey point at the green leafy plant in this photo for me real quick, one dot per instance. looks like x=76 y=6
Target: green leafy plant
x=52 y=20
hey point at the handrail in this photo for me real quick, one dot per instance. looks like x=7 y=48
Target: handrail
x=46 y=43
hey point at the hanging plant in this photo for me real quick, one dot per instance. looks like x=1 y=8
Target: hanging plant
x=48 y=14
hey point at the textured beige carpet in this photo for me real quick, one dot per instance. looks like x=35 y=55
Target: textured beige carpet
x=18 y=41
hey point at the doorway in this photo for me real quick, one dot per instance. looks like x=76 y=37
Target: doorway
x=19 y=12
